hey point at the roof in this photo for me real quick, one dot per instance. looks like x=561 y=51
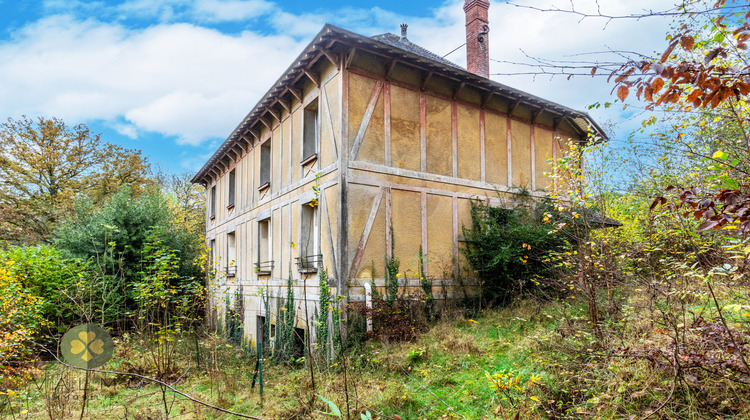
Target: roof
x=332 y=37
x=406 y=45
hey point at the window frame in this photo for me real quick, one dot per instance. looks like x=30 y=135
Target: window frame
x=264 y=268
x=309 y=258
x=312 y=108
x=232 y=189
x=212 y=204
x=231 y=263
x=265 y=167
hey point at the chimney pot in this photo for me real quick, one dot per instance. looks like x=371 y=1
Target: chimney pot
x=403 y=30
x=477 y=37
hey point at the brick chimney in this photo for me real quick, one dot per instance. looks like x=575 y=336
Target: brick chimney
x=477 y=40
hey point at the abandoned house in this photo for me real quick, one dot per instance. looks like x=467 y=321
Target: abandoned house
x=359 y=139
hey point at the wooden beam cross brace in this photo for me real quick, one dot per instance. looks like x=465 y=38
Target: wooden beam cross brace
x=330 y=58
x=286 y=105
x=458 y=89
x=274 y=113
x=487 y=98
x=536 y=114
x=296 y=93
x=311 y=77
x=350 y=56
x=513 y=107
x=237 y=153
x=255 y=134
x=426 y=80
x=390 y=69
x=264 y=122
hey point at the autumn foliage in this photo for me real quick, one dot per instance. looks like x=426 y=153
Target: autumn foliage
x=706 y=77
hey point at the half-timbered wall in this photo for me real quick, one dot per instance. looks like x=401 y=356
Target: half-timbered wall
x=271 y=217
x=415 y=148
x=419 y=152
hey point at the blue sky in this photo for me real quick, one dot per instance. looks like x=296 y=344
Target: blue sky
x=174 y=77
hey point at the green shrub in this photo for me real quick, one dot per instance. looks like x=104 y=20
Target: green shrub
x=43 y=272
x=21 y=316
x=508 y=249
x=140 y=248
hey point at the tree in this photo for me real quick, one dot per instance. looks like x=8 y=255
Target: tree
x=122 y=236
x=45 y=165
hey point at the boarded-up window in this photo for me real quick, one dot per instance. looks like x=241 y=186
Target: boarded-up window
x=230 y=201
x=265 y=164
x=310 y=129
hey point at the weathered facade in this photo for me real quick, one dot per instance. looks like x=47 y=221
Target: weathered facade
x=360 y=139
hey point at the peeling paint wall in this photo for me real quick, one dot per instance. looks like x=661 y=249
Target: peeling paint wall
x=416 y=150
x=419 y=156
x=291 y=188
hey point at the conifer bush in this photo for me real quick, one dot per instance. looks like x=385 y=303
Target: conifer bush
x=508 y=249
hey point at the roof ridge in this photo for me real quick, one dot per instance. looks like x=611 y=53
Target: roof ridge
x=405 y=44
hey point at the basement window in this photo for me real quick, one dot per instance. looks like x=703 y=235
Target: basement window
x=310 y=132
x=232 y=189
x=265 y=165
x=264 y=264
x=231 y=269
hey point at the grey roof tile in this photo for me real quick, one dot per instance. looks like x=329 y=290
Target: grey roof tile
x=406 y=45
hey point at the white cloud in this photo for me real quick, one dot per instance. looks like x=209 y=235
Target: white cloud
x=177 y=79
x=231 y=10
x=195 y=83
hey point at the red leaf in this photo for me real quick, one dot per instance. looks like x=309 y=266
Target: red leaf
x=593 y=71
x=667 y=52
x=657 y=84
x=622 y=92
x=695 y=94
x=687 y=42
x=711 y=55
x=708 y=224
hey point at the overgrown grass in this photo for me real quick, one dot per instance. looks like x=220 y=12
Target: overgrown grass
x=533 y=358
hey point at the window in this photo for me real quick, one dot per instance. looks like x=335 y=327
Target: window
x=264 y=264
x=308 y=247
x=310 y=131
x=265 y=165
x=231 y=255
x=212 y=257
x=213 y=201
x=231 y=189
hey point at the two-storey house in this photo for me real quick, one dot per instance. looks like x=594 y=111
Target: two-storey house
x=362 y=138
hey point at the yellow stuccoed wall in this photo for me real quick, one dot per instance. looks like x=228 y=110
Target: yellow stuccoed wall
x=416 y=155
x=422 y=158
